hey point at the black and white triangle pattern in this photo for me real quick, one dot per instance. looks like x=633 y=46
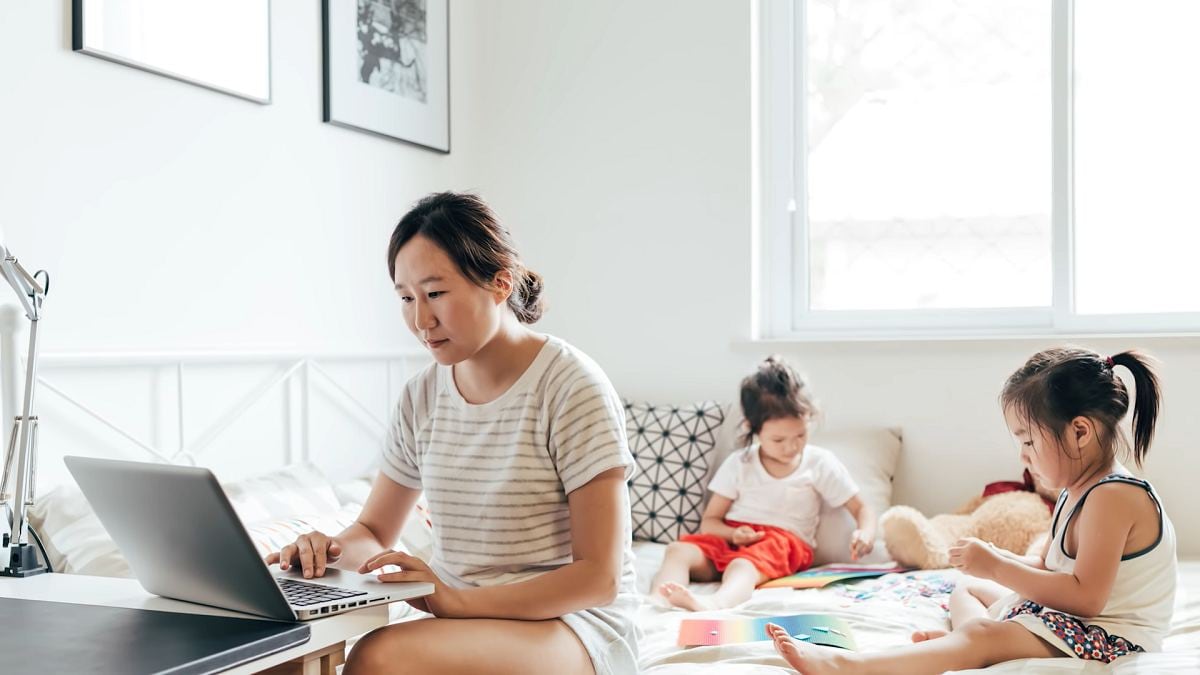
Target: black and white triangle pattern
x=673 y=447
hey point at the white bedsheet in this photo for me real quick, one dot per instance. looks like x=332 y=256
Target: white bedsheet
x=884 y=612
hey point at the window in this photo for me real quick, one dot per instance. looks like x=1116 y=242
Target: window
x=936 y=168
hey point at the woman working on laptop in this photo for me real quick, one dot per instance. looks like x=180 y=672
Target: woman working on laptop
x=518 y=441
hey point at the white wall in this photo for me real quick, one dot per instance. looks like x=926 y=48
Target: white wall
x=175 y=217
x=620 y=154
x=613 y=137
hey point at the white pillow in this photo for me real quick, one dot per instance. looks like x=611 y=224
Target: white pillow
x=272 y=535
x=354 y=491
x=292 y=490
x=417 y=535
x=871 y=456
x=76 y=542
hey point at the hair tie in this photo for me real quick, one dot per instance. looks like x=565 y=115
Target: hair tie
x=1108 y=362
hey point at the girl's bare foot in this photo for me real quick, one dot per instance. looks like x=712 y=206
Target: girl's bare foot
x=657 y=597
x=682 y=597
x=923 y=635
x=808 y=659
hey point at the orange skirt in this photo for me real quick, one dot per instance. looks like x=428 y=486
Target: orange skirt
x=778 y=554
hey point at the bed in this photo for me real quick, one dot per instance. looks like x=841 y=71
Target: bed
x=883 y=612
x=329 y=411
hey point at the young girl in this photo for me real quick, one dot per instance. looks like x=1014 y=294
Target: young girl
x=518 y=441
x=1104 y=584
x=761 y=520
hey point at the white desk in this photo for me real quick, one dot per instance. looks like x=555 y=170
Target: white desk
x=327 y=633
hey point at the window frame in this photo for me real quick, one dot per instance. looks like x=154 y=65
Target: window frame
x=781 y=247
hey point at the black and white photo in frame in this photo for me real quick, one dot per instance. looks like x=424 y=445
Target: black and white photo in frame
x=387 y=68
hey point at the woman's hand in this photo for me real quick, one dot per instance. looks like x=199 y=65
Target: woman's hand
x=443 y=602
x=975 y=557
x=313 y=552
x=861 y=544
x=744 y=534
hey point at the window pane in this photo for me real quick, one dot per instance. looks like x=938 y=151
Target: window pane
x=1137 y=139
x=928 y=154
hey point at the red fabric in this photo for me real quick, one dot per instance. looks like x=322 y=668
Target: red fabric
x=778 y=554
x=1013 y=486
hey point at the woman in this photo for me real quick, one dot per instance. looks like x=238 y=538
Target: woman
x=518 y=441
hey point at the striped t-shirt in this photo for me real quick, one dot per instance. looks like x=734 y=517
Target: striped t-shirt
x=497 y=475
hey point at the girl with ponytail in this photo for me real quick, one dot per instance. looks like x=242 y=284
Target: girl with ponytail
x=1103 y=585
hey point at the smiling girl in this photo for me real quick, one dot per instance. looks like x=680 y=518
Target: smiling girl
x=761 y=519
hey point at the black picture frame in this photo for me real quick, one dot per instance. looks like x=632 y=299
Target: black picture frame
x=386 y=69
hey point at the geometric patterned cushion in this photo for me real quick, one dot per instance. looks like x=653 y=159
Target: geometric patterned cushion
x=673 y=447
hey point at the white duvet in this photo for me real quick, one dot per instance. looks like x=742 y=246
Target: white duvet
x=883 y=612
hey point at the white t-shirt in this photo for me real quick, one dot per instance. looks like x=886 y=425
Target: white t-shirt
x=792 y=502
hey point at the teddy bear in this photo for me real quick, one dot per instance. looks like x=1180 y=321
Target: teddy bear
x=1010 y=515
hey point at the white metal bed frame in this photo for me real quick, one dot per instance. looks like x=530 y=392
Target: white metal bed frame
x=298 y=375
x=298 y=372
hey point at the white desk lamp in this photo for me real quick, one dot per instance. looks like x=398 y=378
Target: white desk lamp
x=22 y=559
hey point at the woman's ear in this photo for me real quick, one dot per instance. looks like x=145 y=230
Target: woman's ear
x=502 y=286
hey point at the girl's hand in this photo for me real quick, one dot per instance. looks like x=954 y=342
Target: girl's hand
x=860 y=544
x=444 y=602
x=975 y=557
x=744 y=534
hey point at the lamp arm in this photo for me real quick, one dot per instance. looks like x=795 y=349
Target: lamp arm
x=22 y=561
x=29 y=292
x=26 y=425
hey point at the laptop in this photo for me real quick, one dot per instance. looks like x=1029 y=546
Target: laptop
x=184 y=541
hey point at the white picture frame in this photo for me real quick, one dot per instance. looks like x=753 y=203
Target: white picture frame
x=177 y=38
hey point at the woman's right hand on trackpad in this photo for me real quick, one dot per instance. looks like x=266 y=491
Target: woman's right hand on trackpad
x=310 y=552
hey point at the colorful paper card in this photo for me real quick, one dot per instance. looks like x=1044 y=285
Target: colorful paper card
x=828 y=574
x=820 y=629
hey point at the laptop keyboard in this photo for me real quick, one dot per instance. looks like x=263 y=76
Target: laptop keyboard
x=302 y=594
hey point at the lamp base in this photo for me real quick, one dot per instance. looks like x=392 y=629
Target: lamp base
x=22 y=562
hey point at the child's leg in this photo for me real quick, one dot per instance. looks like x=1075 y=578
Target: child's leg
x=682 y=563
x=969 y=600
x=976 y=644
x=737 y=585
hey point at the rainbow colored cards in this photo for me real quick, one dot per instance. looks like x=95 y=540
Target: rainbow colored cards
x=816 y=628
x=828 y=574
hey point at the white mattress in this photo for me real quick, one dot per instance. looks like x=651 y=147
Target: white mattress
x=883 y=612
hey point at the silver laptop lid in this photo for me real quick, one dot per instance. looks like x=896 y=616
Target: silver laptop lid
x=180 y=534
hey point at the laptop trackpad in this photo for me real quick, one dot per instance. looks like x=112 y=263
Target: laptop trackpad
x=360 y=582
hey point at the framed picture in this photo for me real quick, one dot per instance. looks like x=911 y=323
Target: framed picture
x=387 y=68
x=180 y=39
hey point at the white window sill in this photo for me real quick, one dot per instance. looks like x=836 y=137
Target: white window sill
x=867 y=337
